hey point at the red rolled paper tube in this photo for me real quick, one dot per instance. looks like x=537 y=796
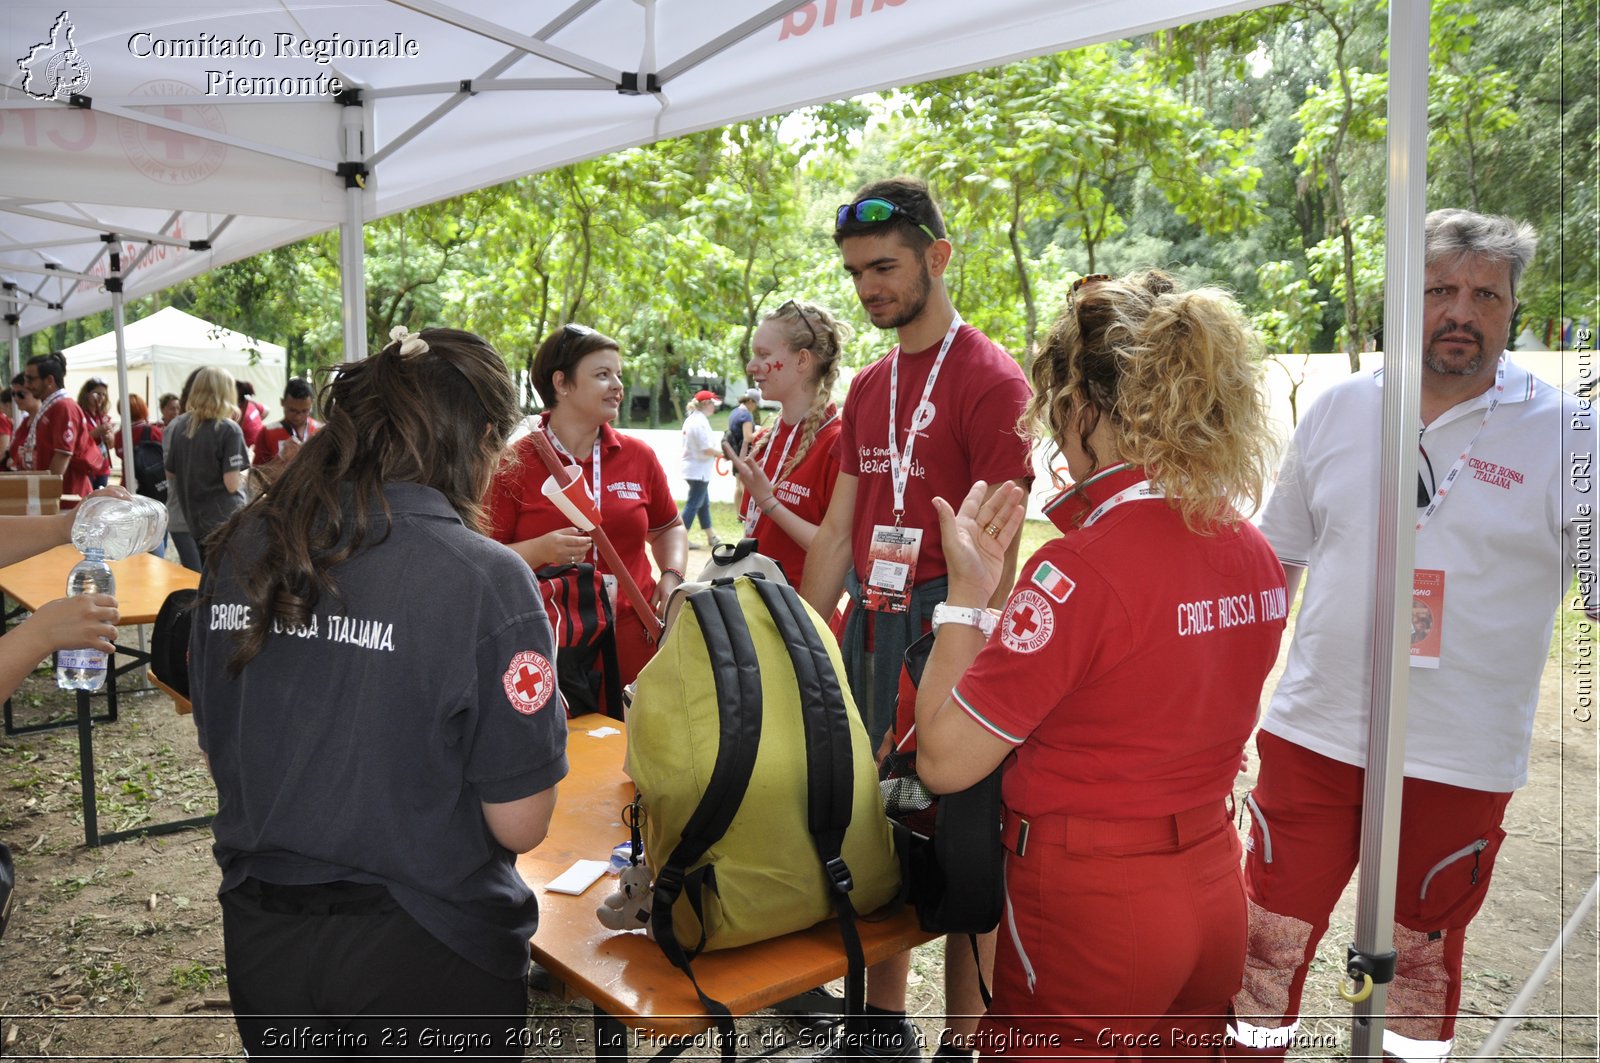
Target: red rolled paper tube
x=602 y=542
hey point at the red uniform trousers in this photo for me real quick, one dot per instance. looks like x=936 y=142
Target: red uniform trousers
x=1305 y=837
x=1121 y=938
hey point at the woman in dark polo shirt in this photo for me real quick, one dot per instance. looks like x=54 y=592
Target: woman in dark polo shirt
x=380 y=755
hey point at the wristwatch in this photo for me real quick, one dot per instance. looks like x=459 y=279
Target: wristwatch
x=982 y=619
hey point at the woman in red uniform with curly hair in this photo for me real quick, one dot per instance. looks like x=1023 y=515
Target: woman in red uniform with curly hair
x=1121 y=680
x=578 y=375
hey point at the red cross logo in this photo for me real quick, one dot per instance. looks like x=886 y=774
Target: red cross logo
x=529 y=682
x=1023 y=622
x=1028 y=622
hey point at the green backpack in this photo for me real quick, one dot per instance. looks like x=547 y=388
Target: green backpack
x=743 y=741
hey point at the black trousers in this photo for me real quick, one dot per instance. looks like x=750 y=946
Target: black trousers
x=339 y=970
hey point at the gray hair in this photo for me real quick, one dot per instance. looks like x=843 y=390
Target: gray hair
x=1456 y=233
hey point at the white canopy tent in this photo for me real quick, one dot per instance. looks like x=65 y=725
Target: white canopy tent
x=148 y=162
x=164 y=348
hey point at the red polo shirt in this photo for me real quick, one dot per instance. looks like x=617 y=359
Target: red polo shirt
x=805 y=492
x=636 y=501
x=1128 y=664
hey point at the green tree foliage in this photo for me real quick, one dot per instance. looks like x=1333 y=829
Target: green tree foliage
x=1246 y=151
x=1051 y=147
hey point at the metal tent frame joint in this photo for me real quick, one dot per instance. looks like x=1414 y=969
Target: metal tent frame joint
x=629 y=85
x=1368 y=969
x=355 y=174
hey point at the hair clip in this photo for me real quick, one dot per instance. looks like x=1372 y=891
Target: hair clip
x=410 y=342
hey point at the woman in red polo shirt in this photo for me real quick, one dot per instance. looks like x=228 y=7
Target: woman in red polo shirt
x=578 y=375
x=1122 y=678
x=788 y=475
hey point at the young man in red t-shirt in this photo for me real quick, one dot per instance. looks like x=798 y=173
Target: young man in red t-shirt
x=59 y=433
x=935 y=415
x=278 y=443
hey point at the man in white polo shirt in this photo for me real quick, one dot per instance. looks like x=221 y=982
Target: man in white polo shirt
x=1504 y=516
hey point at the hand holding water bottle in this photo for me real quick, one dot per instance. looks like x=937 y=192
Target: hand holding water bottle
x=86 y=622
x=105 y=527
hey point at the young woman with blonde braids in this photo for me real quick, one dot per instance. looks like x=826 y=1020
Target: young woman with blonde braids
x=788 y=474
x=1122 y=678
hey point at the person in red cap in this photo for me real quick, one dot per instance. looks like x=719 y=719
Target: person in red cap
x=699 y=463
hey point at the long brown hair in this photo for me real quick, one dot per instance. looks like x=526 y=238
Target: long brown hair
x=437 y=414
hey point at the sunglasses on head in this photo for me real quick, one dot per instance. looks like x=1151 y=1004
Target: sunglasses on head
x=803 y=319
x=1093 y=278
x=570 y=332
x=872 y=210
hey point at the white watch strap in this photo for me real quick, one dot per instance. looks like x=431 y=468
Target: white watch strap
x=981 y=619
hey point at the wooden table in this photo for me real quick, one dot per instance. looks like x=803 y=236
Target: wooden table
x=143 y=583
x=625 y=975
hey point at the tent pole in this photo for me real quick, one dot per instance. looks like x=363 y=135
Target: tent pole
x=114 y=286
x=1373 y=948
x=14 y=320
x=352 y=253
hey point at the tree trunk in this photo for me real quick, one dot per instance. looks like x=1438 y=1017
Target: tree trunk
x=1013 y=233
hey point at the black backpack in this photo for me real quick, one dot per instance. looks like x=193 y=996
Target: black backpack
x=953 y=860
x=149 y=468
x=169 y=639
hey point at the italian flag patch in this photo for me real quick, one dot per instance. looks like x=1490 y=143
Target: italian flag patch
x=1053 y=582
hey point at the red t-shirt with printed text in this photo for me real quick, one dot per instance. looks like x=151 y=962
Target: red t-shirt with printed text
x=805 y=492
x=977 y=400
x=1128 y=664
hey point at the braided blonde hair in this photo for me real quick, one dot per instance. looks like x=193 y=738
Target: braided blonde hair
x=823 y=335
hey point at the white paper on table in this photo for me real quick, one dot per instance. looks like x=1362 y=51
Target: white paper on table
x=603 y=732
x=577 y=878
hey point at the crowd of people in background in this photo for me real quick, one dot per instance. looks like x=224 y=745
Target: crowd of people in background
x=1116 y=675
x=208 y=440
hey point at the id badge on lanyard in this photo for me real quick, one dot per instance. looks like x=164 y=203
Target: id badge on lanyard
x=892 y=554
x=1427 y=617
x=891 y=568
x=1427 y=584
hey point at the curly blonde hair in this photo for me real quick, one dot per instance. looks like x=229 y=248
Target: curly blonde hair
x=1178 y=374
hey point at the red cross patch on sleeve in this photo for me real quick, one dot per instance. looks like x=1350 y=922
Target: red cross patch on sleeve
x=530 y=682
x=1027 y=623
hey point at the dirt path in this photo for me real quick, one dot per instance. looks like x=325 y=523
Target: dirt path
x=116 y=953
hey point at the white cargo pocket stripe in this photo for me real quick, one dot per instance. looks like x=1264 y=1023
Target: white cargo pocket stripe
x=1260 y=821
x=1460 y=854
x=1016 y=939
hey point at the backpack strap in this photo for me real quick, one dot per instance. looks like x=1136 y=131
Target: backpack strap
x=830 y=766
x=737 y=674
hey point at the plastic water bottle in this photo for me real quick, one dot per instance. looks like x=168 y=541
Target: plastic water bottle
x=85 y=669
x=118 y=527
